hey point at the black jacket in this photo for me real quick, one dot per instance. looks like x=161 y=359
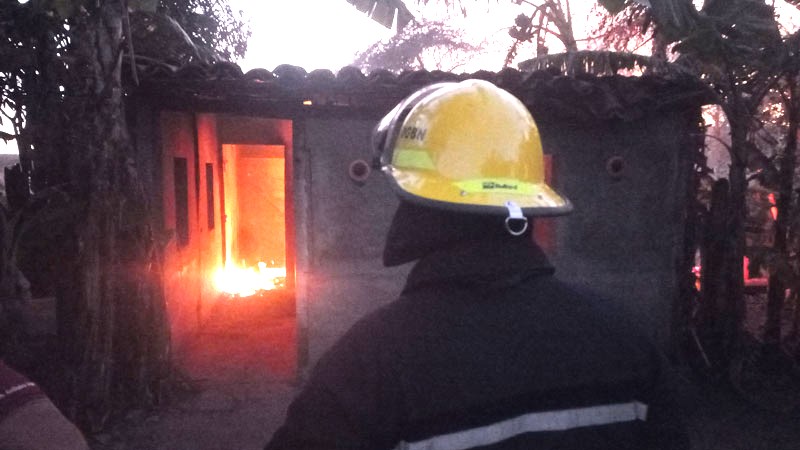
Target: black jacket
x=486 y=349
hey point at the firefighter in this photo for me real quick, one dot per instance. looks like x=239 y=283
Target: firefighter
x=485 y=347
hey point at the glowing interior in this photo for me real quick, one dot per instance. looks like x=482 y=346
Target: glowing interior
x=254 y=220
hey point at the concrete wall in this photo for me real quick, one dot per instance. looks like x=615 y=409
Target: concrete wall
x=345 y=229
x=624 y=238
x=189 y=264
x=181 y=268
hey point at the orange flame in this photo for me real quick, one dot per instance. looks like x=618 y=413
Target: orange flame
x=247 y=281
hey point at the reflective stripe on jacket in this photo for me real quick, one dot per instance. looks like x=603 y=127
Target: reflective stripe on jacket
x=559 y=420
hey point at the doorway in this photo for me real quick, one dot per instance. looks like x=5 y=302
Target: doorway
x=251 y=331
x=255 y=217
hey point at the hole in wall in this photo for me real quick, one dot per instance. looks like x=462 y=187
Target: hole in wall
x=359 y=171
x=615 y=166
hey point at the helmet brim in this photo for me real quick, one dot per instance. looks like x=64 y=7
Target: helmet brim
x=477 y=196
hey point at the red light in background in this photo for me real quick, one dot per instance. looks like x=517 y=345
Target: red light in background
x=773 y=210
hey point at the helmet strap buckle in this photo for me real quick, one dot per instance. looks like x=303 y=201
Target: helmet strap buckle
x=516 y=223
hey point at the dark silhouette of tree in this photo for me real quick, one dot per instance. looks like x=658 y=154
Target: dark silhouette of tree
x=548 y=18
x=62 y=88
x=210 y=24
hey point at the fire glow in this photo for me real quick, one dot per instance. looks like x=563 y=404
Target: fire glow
x=254 y=219
x=247 y=281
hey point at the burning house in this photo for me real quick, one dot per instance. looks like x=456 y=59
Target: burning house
x=254 y=177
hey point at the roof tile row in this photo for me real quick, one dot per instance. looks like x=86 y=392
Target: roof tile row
x=583 y=97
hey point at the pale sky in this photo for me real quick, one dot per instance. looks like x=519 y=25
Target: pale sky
x=327 y=34
x=313 y=34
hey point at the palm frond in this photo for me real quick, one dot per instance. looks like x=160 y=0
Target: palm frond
x=385 y=11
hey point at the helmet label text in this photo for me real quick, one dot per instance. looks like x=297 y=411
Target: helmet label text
x=413 y=133
x=491 y=185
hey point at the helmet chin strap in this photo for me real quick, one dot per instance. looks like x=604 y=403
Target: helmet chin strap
x=515 y=216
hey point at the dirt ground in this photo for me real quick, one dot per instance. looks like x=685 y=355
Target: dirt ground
x=720 y=419
x=236 y=379
x=762 y=412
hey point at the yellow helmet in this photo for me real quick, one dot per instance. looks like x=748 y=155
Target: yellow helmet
x=467 y=146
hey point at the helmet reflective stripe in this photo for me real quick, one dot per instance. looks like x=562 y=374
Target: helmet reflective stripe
x=467 y=146
x=558 y=420
x=509 y=185
x=384 y=137
x=417 y=159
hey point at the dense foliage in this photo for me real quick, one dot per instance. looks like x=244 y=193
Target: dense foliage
x=210 y=24
x=61 y=87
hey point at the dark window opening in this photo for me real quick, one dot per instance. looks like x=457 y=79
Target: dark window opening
x=210 y=195
x=181 y=201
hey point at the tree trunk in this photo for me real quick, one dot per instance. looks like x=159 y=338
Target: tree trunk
x=733 y=312
x=562 y=19
x=118 y=341
x=693 y=240
x=714 y=285
x=722 y=309
x=777 y=284
x=659 y=53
